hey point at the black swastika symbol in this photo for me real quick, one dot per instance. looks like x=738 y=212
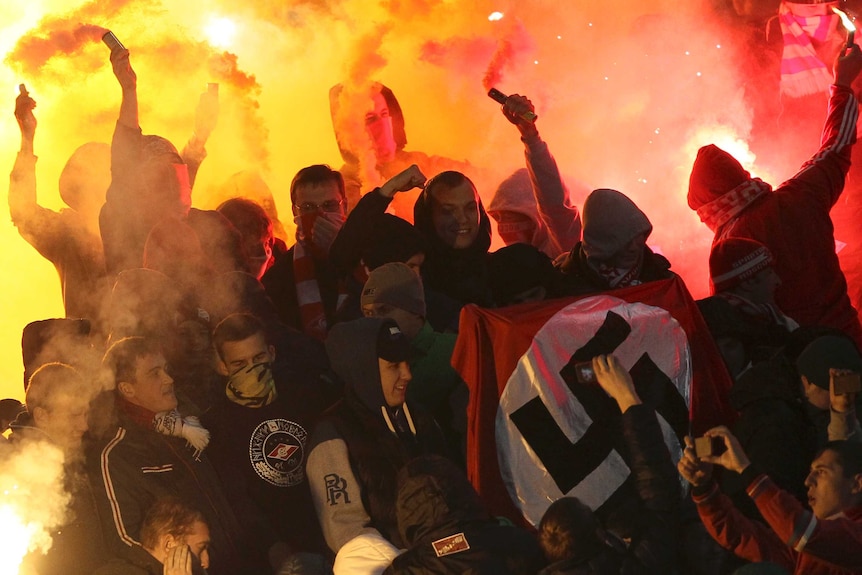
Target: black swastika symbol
x=569 y=463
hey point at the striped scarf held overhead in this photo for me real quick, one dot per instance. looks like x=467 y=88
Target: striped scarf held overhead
x=311 y=310
x=804 y=27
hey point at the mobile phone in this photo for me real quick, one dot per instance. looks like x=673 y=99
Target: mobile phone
x=708 y=446
x=111 y=41
x=847 y=383
x=584 y=372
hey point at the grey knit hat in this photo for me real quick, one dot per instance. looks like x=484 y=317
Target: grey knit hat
x=397 y=285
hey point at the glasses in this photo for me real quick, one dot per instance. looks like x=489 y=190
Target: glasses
x=327 y=206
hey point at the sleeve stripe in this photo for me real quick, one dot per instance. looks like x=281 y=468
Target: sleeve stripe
x=109 y=488
x=806 y=535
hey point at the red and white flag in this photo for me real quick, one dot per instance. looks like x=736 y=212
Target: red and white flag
x=536 y=433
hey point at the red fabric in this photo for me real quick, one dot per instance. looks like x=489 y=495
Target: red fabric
x=794 y=223
x=490 y=343
x=788 y=521
x=715 y=172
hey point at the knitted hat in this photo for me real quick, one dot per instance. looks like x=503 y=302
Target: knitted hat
x=734 y=260
x=392 y=344
x=715 y=172
x=830 y=351
x=611 y=221
x=397 y=285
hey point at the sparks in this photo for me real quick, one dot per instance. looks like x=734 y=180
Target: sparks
x=495 y=16
x=14 y=540
x=220 y=32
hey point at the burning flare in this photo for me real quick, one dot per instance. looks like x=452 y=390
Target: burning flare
x=848 y=24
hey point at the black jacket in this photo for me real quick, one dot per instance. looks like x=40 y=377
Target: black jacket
x=447 y=529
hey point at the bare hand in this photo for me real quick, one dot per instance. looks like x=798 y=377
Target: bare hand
x=178 y=561
x=616 y=381
x=123 y=69
x=514 y=108
x=734 y=458
x=404 y=181
x=692 y=469
x=24 y=105
x=325 y=229
x=847 y=65
x=206 y=115
x=842 y=403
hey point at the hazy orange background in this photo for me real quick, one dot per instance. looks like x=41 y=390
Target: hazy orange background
x=624 y=96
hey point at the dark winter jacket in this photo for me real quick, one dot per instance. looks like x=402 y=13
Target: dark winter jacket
x=579 y=278
x=447 y=529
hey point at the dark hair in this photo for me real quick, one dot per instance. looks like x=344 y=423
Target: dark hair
x=848 y=453
x=316 y=174
x=248 y=217
x=122 y=357
x=236 y=327
x=568 y=529
x=51 y=382
x=448 y=180
x=168 y=516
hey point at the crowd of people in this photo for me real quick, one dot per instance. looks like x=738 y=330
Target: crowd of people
x=225 y=403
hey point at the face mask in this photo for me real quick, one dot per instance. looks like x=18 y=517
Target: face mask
x=305 y=225
x=252 y=386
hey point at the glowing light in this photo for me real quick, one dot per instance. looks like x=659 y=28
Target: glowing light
x=687 y=53
x=725 y=138
x=220 y=31
x=559 y=37
x=698 y=74
x=495 y=16
x=535 y=61
x=657 y=130
x=15 y=538
x=718 y=46
x=845 y=19
x=590 y=24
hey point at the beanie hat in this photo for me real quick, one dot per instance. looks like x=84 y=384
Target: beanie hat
x=611 y=220
x=830 y=351
x=392 y=344
x=397 y=285
x=735 y=260
x=60 y=339
x=517 y=268
x=715 y=172
x=392 y=239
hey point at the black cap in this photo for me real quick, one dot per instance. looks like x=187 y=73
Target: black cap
x=392 y=344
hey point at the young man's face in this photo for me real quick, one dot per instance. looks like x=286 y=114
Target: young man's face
x=198 y=541
x=238 y=355
x=378 y=125
x=153 y=388
x=761 y=287
x=394 y=377
x=455 y=214
x=829 y=491
x=65 y=422
x=313 y=200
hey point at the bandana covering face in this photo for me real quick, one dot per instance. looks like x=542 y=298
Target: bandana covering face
x=252 y=386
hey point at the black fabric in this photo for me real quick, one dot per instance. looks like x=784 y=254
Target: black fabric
x=773 y=429
x=134 y=560
x=435 y=502
x=461 y=274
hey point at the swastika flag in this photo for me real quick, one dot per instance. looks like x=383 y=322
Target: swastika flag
x=535 y=433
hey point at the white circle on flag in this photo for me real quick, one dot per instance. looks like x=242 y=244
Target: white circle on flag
x=653 y=331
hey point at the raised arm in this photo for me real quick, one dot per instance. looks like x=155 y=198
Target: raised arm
x=556 y=210
x=206 y=119
x=22 y=181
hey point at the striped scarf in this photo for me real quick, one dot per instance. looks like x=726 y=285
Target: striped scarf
x=803 y=25
x=727 y=206
x=311 y=311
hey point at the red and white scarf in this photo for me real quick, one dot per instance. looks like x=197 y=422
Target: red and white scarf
x=727 y=206
x=311 y=311
x=802 y=25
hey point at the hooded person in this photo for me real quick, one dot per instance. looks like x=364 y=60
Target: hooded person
x=613 y=253
x=369 y=129
x=532 y=205
x=69 y=239
x=360 y=444
x=450 y=214
x=447 y=528
x=793 y=220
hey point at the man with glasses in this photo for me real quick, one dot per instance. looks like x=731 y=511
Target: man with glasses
x=304 y=286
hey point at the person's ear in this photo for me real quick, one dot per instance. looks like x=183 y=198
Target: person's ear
x=221 y=367
x=271 y=350
x=169 y=543
x=856 y=488
x=40 y=416
x=126 y=389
